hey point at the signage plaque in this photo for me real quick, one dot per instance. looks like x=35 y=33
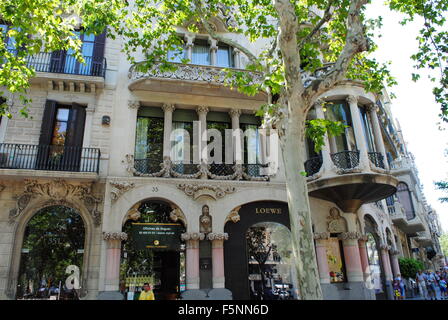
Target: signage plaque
x=161 y=236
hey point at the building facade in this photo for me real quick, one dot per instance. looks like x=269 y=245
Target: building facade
x=99 y=154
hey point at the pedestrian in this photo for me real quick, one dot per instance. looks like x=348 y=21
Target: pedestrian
x=431 y=285
x=401 y=286
x=442 y=285
x=146 y=293
x=397 y=289
x=420 y=278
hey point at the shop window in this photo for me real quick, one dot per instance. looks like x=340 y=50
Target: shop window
x=53 y=244
x=335 y=259
x=163 y=267
x=272 y=275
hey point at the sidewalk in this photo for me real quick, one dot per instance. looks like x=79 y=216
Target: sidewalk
x=417 y=297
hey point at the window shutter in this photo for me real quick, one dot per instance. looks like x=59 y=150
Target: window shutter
x=46 y=129
x=98 y=55
x=75 y=127
x=57 y=61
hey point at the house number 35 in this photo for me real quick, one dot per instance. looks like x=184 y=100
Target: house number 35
x=155 y=189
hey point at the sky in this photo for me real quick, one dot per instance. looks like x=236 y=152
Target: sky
x=414 y=107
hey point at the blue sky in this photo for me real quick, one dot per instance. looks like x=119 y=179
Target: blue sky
x=414 y=106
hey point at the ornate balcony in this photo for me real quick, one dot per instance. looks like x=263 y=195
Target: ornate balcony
x=51 y=158
x=313 y=165
x=345 y=180
x=424 y=238
x=189 y=72
x=156 y=167
x=377 y=159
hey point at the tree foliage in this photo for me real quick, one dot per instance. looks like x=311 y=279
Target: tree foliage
x=409 y=267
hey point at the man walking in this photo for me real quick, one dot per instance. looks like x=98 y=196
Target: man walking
x=420 y=278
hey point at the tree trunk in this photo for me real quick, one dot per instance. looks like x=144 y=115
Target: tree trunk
x=293 y=151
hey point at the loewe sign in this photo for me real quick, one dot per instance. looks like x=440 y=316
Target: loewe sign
x=268 y=210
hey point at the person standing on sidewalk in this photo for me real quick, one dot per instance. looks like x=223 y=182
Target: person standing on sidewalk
x=420 y=278
x=431 y=285
x=401 y=287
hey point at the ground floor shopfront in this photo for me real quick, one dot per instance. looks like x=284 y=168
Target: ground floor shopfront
x=205 y=240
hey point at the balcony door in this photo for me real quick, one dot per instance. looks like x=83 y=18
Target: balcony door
x=92 y=49
x=62 y=133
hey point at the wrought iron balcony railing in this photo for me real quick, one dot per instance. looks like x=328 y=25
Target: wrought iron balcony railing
x=313 y=165
x=60 y=62
x=377 y=159
x=148 y=165
x=47 y=157
x=346 y=159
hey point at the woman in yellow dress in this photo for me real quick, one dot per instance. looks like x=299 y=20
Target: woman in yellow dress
x=147 y=293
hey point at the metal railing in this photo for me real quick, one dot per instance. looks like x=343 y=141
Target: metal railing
x=313 y=165
x=48 y=157
x=346 y=159
x=221 y=169
x=60 y=62
x=255 y=170
x=185 y=168
x=377 y=159
x=148 y=165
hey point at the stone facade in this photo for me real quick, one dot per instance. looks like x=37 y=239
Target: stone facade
x=106 y=199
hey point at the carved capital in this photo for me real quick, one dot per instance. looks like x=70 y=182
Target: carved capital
x=176 y=214
x=351 y=235
x=371 y=107
x=168 y=107
x=202 y=110
x=352 y=99
x=192 y=236
x=133 y=104
x=235 y=113
x=217 y=236
x=110 y=236
x=321 y=235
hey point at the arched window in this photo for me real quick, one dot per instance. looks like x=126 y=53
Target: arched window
x=53 y=247
x=405 y=198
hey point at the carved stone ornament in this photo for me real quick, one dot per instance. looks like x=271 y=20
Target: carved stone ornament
x=321 y=235
x=218 y=236
x=197 y=190
x=336 y=223
x=205 y=220
x=192 y=236
x=234 y=215
x=133 y=213
x=133 y=104
x=176 y=214
x=58 y=192
x=115 y=236
x=119 y=188
x=351 y=235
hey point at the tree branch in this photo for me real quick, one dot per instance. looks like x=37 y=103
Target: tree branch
x=325 y=18
x=356 y=42
x=287 y=40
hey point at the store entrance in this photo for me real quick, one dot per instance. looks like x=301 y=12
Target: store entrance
x=162 y=268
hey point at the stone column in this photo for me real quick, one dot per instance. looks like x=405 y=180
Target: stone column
x=213 y=51
x=189 y=39
x=359 y=132
x=238 y=149
x=237 y=58
x=352 y=256
x=203 y=151
x=113 y=254
x=384 y=249
x=395 y=264
x=192 y=258
x=327 y=163
x=364 y=258
x=217 y=240
x=379 y=142
x=168 y=110
x=321 y=255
